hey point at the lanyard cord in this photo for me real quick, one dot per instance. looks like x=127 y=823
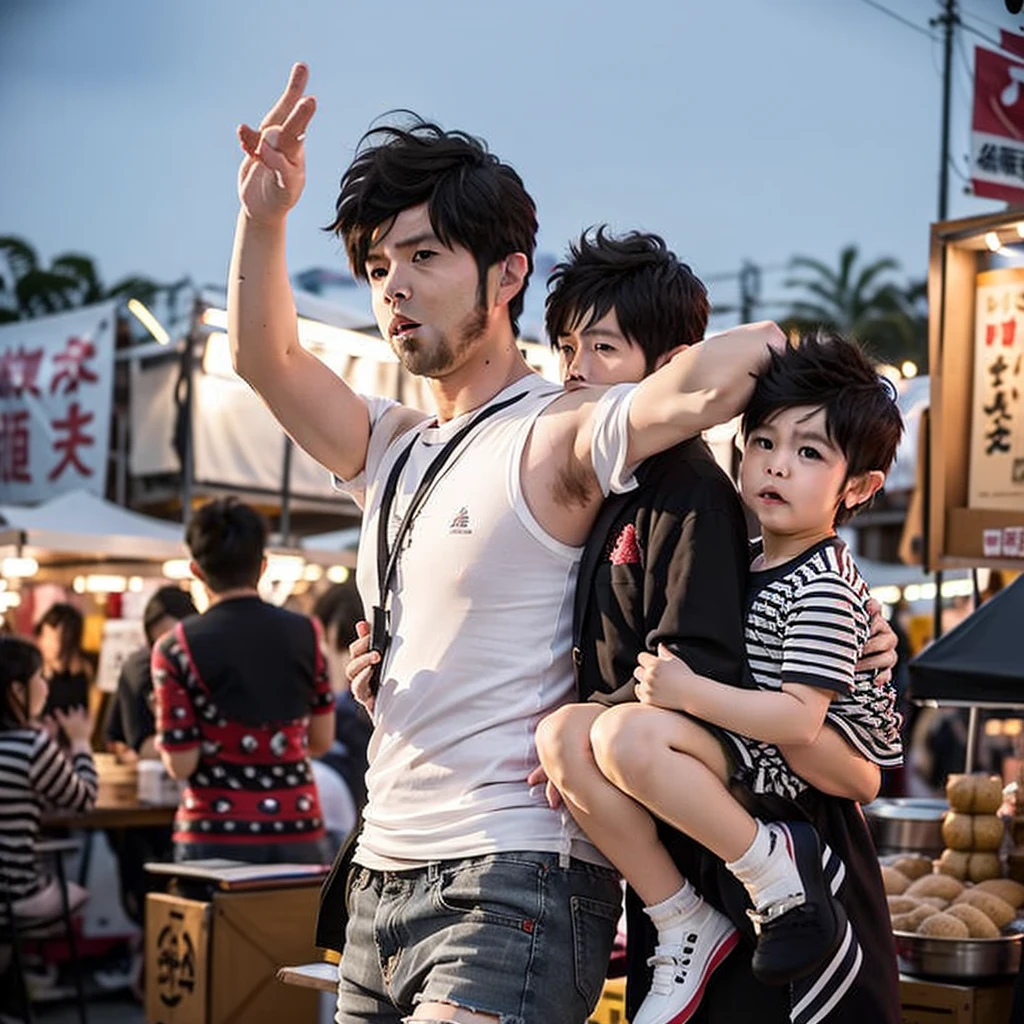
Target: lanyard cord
x=387 y=561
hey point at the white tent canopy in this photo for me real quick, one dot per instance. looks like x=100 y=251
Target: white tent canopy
x=84 y=524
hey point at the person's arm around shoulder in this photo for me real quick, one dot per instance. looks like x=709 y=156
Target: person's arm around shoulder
x=316 y=407
x=832 y=766
x=699 y=387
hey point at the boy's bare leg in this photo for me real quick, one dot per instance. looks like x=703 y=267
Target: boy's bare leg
x=693 y=937
x=672 y=765
x=619 y=827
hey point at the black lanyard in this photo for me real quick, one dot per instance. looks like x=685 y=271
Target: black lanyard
x=387 y=562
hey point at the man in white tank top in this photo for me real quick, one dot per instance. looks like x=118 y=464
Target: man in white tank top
x=469 y=899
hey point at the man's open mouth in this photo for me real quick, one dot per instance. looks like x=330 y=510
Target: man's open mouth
x=400 y=326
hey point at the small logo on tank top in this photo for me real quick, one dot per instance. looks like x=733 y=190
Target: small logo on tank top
x=460 y=521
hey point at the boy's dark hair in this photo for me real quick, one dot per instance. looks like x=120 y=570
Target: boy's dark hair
x=167 y=602
x=227 y=538
x=68 y=621
x=829 y=372
x=20 y=660
x=659 y=301
x=473 y=199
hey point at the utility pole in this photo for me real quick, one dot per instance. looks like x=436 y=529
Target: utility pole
x=750 y=290
x=949 y=19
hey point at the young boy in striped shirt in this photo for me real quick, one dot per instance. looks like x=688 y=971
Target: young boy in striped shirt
x=821 y=432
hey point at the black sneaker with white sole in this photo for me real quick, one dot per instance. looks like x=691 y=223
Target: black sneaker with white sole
x=797 y=934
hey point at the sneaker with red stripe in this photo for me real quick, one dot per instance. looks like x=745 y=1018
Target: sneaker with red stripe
x=683 y=965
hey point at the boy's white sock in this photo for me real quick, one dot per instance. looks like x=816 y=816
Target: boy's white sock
x=767 y=870
x=671 y=913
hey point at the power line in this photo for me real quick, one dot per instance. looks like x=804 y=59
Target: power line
x=733 y=275
x=978 y=17
x=899 y=18
x=991 y=42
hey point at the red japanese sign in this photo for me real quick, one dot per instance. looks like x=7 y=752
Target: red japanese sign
x=997 y=125
x=56 y=375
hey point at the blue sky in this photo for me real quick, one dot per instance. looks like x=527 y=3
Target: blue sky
x=739 y=130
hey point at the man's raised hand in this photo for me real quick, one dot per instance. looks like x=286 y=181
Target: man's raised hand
x=273 y=169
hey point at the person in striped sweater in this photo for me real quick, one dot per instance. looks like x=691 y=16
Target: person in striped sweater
x=35 y=774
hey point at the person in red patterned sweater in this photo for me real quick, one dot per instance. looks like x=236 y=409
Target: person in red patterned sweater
x=243 y=701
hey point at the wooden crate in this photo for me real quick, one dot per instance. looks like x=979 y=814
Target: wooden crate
x=216 y=962
x=611 y=1008
x=177 y=959
x=932 y=1002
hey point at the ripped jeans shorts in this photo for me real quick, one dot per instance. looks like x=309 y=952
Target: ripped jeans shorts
x=514 y=935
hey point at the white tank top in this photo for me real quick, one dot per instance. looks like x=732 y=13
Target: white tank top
x=481 y=624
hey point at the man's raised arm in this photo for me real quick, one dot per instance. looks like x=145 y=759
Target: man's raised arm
x=702 y=385
x=318 y=409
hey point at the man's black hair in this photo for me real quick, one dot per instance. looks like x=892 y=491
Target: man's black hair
x=659 y=301
x=227 y=538
x=473 y=199
x=168 y=602
x=829 y=372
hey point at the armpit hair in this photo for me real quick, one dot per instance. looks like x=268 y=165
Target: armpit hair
x=573 y=485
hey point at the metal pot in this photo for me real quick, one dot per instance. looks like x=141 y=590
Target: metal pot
x=907 y=825
x=929 y=956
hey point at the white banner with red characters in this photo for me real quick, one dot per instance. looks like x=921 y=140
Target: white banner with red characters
x=56 y=382
x=996 y=474
x=997 y=124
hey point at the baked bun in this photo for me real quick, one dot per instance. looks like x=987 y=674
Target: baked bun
x=954 y=863
x=982 y=867
x=979 y=925
x=958 y=830
x=913 y=866
x=935 y=885
x=999 y=911
x=895 y=882
x=944 y=926
x=988 y=832
x=1005 y=888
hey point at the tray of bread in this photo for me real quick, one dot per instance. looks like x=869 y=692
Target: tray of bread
x=957 y=916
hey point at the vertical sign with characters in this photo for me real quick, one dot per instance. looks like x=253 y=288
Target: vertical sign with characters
x=996 y=478
x=56 y=380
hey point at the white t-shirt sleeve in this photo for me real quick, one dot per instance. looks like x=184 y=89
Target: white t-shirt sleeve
x=356 y=487
x=610 y=442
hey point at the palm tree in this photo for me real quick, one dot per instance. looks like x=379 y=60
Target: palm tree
x=28 y=289
x=863 y=302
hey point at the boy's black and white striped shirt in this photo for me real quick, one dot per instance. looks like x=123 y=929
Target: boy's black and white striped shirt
x=806 y=623
x=35 y=775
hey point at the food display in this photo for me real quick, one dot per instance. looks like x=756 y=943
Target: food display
x=957 y=915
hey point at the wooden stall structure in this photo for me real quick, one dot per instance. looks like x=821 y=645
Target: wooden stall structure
x=974 y=513
x=214 y=959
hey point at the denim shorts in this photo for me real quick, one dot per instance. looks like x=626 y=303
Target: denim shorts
x=514 y=935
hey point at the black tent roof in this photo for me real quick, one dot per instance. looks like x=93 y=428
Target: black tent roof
x=981 y=661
